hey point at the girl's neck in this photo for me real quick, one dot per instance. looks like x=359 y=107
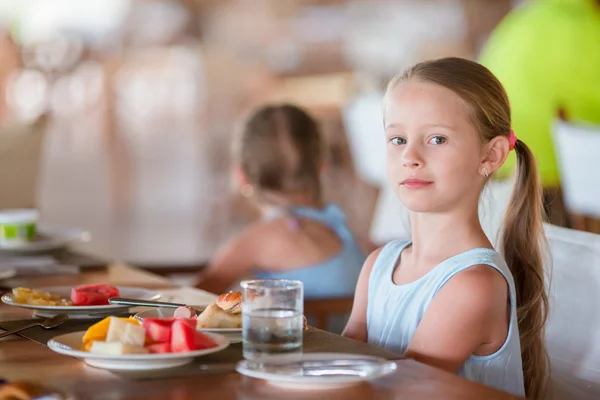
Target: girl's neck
x=275 y=202
x=437 y=236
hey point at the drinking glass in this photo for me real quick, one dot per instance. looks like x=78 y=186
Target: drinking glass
x=272 y=317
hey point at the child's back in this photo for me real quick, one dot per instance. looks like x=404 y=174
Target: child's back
x=325 y=256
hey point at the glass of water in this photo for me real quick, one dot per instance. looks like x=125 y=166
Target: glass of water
x=272 y=317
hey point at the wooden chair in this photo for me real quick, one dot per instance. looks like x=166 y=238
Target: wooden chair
x=322 y=309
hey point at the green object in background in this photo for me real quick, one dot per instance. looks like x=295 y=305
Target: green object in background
x=546 y=53
x=9 y=232
x=17 y=227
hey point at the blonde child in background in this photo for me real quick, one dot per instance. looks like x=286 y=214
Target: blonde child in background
x=279 y=158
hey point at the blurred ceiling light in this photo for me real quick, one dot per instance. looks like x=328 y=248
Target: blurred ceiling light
x=75 y=93
x=37 y=20
x=27 y=94
x=386 y=37
x=155 y=22
x=56 y=53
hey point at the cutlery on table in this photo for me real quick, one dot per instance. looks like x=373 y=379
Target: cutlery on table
x=149 y=303
x=46 y=324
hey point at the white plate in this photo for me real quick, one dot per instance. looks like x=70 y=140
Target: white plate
x=70 y=344
x=49 y=239
x=81 y=311
x=278 y=370
x=7 y=273
x=233 y=334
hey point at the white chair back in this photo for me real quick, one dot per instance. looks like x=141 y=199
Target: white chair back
x=573 y=329
x=577 y=149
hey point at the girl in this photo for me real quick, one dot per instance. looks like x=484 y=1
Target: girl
x=447 y=298
x=279 y=159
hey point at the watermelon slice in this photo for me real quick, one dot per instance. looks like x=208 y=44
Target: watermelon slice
x=88 y=298
x=104 y=288
x=176 y=335
x=93 y=295
x=159 y=348
x=158 y=329
x=203 y=341
x=183 y=337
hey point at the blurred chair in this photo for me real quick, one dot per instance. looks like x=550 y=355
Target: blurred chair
x=573 y=328
x=21 y=149
x=577 y=147
x=323 y=313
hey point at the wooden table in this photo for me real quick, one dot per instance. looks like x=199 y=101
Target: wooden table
x=21 y=359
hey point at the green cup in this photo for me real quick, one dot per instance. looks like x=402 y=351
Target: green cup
x=17 y=227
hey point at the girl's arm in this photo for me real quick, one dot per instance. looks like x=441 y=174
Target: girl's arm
x=462 y=318
x=357 y=324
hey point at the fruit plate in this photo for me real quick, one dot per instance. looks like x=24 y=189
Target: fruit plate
x=81 y=311
x=69 y=344
x=233 y=334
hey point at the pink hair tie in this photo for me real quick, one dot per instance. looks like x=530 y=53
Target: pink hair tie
x=512 y=139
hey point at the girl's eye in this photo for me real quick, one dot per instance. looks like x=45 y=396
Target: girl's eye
x=397 y=141
x=438 y=140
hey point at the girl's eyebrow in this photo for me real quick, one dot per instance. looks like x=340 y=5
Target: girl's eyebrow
x=388 y=126
x=440 y=126
x=434 y=125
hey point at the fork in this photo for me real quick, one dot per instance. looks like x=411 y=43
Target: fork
x=49 y=323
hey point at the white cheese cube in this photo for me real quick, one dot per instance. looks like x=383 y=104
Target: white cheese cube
x=115 y=348
x=125 y=332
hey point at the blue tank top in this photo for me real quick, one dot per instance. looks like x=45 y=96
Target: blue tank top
x=333 y=278
x=394 y=312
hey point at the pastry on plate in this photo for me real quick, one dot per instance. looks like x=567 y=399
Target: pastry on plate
x=225 y=313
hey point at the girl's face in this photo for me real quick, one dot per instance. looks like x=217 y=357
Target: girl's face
x=434 y=153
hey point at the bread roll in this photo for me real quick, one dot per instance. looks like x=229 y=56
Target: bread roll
x=215 y=317
x=231 y=299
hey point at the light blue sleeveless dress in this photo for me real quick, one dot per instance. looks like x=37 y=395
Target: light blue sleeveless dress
x=394 y=312
x=333 y=278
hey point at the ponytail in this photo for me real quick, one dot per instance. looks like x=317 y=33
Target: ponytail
x=523 y=246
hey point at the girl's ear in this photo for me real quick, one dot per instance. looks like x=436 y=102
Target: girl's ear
x=494 y=154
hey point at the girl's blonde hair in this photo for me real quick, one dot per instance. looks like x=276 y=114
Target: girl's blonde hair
x=523 y=242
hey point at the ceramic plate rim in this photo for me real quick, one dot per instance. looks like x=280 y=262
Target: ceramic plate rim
x=313 y=380
x=59 y=347
x=7 y=299
x=7 y=273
